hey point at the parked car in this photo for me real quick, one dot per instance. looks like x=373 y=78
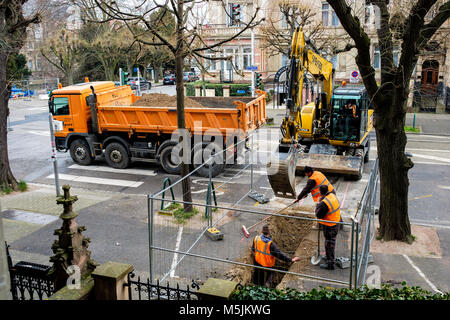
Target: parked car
x=190 y=76
x=193 y=76
x=169 y=79
x=145 y=84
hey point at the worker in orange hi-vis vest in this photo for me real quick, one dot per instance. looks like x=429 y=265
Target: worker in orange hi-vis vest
x=329 y=209
x=264 y=252
x=315 y=180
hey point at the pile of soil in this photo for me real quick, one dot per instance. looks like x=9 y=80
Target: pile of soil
x=164 y=100
x=288 y=234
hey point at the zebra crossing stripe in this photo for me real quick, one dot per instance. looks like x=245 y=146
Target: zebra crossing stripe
x=103 y=181
x=140 y=172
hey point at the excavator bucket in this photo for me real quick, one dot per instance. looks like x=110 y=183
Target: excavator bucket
x=350 y=166
x=281 y=173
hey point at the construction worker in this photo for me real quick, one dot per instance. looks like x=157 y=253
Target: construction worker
x=264 y=252
x=328 y=209
x=315 y=180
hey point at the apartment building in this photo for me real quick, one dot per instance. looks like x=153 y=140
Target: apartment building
x=431 y=75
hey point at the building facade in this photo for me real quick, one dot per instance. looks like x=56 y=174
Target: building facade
x=431 y=75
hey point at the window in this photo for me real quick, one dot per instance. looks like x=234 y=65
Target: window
x=395 y=54
x=329 y=17
x=211 y=64
x=247 y=57
x=284 y=60
x=60 y=106
x=376 y=57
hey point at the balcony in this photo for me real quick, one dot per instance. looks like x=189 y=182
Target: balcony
x=218 y=31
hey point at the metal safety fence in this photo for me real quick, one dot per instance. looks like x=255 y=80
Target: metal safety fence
x=211 y=244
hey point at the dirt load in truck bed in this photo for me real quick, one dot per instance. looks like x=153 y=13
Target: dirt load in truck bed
x=164 y=100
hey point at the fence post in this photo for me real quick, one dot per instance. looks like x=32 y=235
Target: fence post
x=356 y=255
x=351 y=255
x=150 y=234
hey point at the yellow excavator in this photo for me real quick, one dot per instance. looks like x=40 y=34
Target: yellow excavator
x=330 y=134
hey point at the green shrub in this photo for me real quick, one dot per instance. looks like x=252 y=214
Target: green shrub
x=190 y=89
x=386 y=292
x=23 y=186
x=234 y=88
x=5 y=189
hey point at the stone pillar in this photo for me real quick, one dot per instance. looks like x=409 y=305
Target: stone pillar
x=185 y=90
x=197 y=91
x=71 y=247
x=217 y=289
x=210 y=92
x=226 y=91
x=109 y=280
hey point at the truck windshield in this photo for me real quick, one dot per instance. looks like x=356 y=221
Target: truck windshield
x=60 y=106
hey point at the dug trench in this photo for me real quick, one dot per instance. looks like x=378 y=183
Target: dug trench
x=292 y=236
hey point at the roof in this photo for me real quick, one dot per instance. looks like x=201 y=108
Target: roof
x=85 y=87
x=349 y=90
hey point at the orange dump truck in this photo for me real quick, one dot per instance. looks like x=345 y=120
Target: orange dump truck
x=98 y=119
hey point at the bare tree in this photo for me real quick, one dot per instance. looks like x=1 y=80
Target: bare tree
x=179 y=43
x=63 y=51
x=389 y=98
x=13 y=32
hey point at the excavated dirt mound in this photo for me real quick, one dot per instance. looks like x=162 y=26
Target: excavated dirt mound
x=164 y=100
x=288 y=234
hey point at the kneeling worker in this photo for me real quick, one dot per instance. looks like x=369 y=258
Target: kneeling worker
x=329 y=209
x=264 y=254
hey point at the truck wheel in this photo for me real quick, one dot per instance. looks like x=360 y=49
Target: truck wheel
x=198 y=160
x=80 y=152
x=170 y=162
x=117 y=156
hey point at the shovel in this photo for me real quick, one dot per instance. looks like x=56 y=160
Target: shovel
x=317 y=258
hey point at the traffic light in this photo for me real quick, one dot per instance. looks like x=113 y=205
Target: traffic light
x=235 y=13
x=123 y=77
x=258 y=80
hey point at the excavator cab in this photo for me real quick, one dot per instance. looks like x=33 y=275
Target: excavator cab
x=349 y=119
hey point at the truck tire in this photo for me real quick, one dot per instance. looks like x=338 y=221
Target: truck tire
x=198 y=160
x=80 y=152
x=168 y=162
x=117 y=156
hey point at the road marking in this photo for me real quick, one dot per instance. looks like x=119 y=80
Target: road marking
x=444 y=187
x=432 y=163
x=421 y=274
x=421 y=197
x=40 y=133
x=112 y=182
x=140 y=172
x=431 y=157
x=175 y=255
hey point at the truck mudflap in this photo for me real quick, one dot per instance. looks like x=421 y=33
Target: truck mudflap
x=281 y=173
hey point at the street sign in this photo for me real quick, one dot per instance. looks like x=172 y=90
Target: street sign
x=252 y=68
x=354 y=76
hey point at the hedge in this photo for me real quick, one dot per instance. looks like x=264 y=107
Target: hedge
x=386 y=292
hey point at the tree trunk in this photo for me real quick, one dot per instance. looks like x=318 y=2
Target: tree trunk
x=6 y=176
x=394 y=166
x=179 y=66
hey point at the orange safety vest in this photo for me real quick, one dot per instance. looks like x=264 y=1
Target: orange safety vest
x=354 y=111
x=320 y=179
x=262 y=253
x=334 y=210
